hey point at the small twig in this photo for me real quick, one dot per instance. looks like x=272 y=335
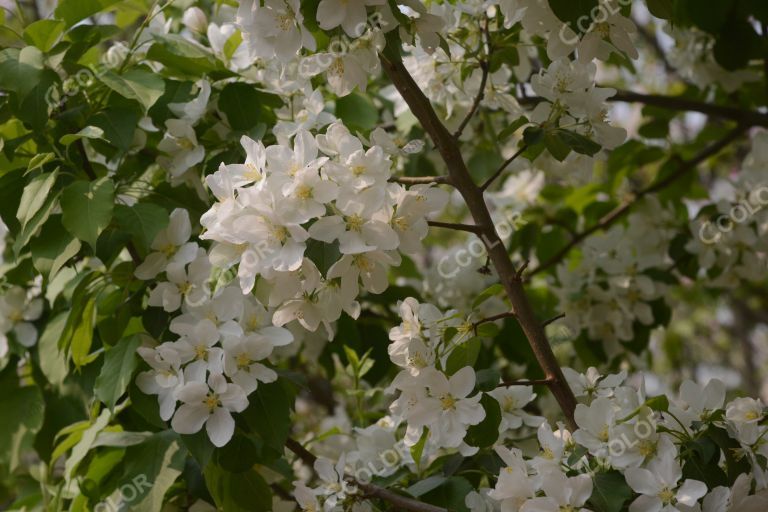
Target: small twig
x=485 y=67
x=503 y=167
x=458 y=227
x=373 y=491
x=521 y=270
x=617 y=213
x=420 y=180
x=500 y=316
x=476 y=103
x=533 y=382
x=553 y=319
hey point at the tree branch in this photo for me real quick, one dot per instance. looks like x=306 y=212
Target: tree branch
x=370 y=490
x=503 y=167
x=617 y=213
x=458 y=227
x=484 y=66
x=420 y=180
x=742 y=116
x=473 y=197
x=534 y=382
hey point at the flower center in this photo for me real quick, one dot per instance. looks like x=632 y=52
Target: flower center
x=212 y=401
x=243 y=361
x=667 y=496
x=355 y=222
x=448 y=402
x=201 y=352
x=304 y=192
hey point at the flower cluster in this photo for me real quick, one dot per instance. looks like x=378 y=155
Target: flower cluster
x=325 y=195
x=224 y=338
x=613 y=285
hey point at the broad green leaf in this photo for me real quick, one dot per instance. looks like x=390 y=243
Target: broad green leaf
x=609 y=492
x=22 y=418
x=576 y=13
x=119 y=124
x=450 y=494
x=238 y=492
x=142 y=220
x=43 y=33
x=486 y=432
x=115 y=375
x=463 y=355
x=35 y=223
x=136 y=84
x=53 y=248
x=34 y=196
x=89 y=132
x=83 y=446
x=245 y=107
x=268 y=414
x=150 y=469
x=87 y=208
x=18 y=74
x=72 y=11
x=579 y=143
x=185 y=58
x=358 y=112
x=53 y=363
x=556 y=145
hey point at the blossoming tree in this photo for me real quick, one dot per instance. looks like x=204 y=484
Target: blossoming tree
x=465 y=255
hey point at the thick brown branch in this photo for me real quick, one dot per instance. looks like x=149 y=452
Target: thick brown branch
x=617 y=213
x=473 y=197
x=369 y=490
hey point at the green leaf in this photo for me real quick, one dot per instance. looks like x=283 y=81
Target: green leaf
x=450 y=494
x=53 y=248
x=491 y=291
x=488 y=379
x=72 y=11
x=52 y=362
x=576 y=13
x=268 y=414
x=556 y=145
x=143 y=221
x=35 y=223
x=533 y=135
x=34 y=196
x=43 y=33
x=115 y=375
x=89 y=132
x=87 y=208
x=663 y=9
x=609 y=492
x=22 y=418
x=82 y=336
x=579 y=143
x=183 y=57
x=20 y=70
x=244 y=106
x=150 y=469
x=417 y=450
x=136 y=84
x=358 y=112
x=238 y=492
x=38 y=161
x=485 y=433
x=463 y=355
x=118 y=124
